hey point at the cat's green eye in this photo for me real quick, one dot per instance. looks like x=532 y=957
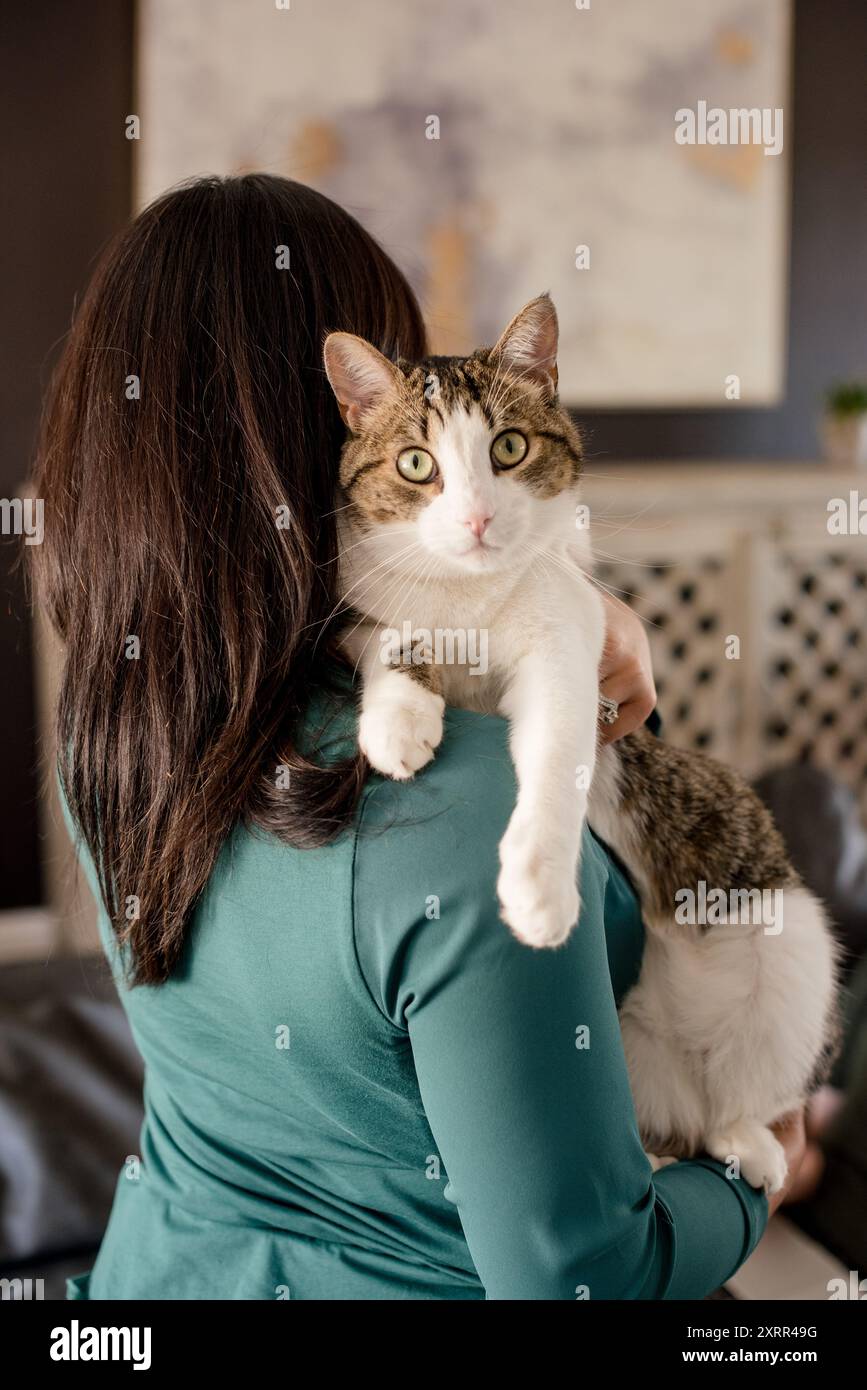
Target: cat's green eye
x=509 y=448
x=416 y=465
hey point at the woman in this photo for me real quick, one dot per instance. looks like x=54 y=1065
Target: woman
x=359 y=1085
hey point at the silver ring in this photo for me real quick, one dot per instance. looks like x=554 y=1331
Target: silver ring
x=608 y=710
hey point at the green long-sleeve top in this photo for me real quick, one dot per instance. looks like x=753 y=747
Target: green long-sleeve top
x=359 y=1085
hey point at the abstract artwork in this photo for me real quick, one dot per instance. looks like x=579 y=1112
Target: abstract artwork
x=501 y=149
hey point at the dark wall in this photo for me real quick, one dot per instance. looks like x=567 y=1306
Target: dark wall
x=826 y=124
x=66 y=79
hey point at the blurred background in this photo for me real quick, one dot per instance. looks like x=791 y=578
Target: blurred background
x=713 y=303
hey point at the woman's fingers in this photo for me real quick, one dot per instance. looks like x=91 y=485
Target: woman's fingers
x=625 y=672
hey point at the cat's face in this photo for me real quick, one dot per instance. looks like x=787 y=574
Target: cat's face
x=471 y=459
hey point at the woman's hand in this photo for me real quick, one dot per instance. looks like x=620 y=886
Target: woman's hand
x=821 y=1109
x=625 y=672
x=792 y=1135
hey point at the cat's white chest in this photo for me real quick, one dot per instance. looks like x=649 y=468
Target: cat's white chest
x=476 y=631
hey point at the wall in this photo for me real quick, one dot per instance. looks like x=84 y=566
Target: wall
x=66 y=75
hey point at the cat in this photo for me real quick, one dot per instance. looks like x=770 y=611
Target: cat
x=459 y=511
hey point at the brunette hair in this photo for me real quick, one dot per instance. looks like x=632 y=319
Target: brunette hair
x=189 y=415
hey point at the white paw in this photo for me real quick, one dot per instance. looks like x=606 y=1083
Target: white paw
x=761 y=1157
x=400 y=728
x=537 y=891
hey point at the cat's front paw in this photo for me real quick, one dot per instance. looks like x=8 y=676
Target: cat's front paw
x=538 y=895
x=399 y=730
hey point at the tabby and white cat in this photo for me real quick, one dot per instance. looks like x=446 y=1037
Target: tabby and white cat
x=458 y=514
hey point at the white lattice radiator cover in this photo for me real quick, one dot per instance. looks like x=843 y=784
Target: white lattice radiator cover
x=708 y=553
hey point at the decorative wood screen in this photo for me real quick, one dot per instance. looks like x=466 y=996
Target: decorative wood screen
x=710 y=553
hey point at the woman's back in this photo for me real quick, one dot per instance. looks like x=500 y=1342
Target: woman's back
x=336 y=1009
x=279 y=1097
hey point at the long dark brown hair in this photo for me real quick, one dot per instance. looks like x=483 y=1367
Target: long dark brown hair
x=189 y=421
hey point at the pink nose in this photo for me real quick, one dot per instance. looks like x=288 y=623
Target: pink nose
x=478 y=525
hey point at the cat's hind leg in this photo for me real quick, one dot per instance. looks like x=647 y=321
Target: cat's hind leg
x=758 y=1155
x=666 y=1088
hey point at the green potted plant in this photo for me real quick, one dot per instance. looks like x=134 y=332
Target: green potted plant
x=844 y=428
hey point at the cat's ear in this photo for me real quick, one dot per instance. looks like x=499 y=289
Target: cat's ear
x=360 y=376
x=529 y=344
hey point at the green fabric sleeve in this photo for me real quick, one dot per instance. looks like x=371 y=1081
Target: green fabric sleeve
x=520 y=1066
